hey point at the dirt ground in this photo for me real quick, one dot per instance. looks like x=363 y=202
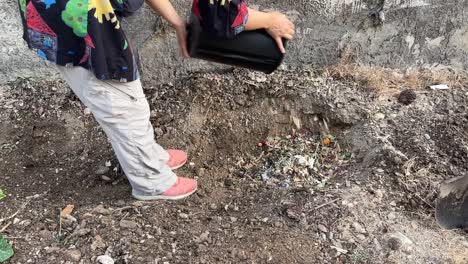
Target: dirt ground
x=292 y=168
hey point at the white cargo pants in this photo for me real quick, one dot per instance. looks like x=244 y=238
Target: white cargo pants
x=124 y=114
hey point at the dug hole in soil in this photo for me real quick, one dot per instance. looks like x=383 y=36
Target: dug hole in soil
x=292 y=168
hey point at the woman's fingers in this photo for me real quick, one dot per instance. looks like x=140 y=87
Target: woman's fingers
x=288 y=37
x=279 y=42
x=181 y=32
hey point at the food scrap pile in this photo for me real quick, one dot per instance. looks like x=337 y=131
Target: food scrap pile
x=301 y=160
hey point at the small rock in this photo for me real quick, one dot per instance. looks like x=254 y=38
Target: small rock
x=45 y=234
x=398 y=240
x=322 y=228
x=228 y=182
x=127 y=224
x=101 y=210
x=427 y=136
x=87 y=111
x=87 y=216
x=361 y=237
x=183 y=215
x=106 y=178
x=201 y=172
x=377 y=245
x=25 y=223
x=394 y=243
x=74 y=255
x=82 y=232
x=379 y=194
x=50 y=250
x=358 y=228
x=407 y=97
x=465 y=243
x=16 y=221
x=98 y=243
x=204 y=237
x=105 y=259
x=159 y=132
x=379 y=116
x=102 y=170
x=391 y=216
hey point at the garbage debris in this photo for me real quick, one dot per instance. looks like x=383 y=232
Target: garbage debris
x=293 y=161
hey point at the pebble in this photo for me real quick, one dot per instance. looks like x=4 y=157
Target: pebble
x=98 y=243
x=391 y=216
x=359 y=228
x=46 y=234
x=50 y=250
x=25 y=223
x=106 y=178
x=83 y=232
x=127 y=224
x=204 y=237
x=101 y=210
x=105 y=259
x=183 y=215
x=379 y=116
x=398 y=240
x=322 y=228
x=102 y=170
x=361 y=237
x=159 y=132
x=394 y=243
x=379 y=194
x=74 y=254
x=465 y=243
x=377 y=245
x=201 y=172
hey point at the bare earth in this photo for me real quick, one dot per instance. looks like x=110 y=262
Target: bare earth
x=292 y=168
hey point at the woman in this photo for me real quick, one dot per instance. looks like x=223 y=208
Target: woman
x=84 y=38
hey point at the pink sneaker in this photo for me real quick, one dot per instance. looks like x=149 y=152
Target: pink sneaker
x=177 y=158
x=182 y=188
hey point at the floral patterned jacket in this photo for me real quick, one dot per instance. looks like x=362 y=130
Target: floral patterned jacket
x=88 y=33
x=84 y=33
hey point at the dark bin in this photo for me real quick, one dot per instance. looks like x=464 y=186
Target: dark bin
x=255 y=50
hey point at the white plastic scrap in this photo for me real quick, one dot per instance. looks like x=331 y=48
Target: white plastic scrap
x=440 y=87
x=105 y=259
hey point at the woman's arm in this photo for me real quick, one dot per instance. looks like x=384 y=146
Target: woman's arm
x=167 y=11
x=276 y=24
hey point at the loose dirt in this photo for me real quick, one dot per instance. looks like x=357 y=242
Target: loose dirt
x=292 y=168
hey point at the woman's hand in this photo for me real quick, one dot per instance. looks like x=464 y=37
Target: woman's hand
x=279 y=26
x=181 y=32
x=276 y=24
x=167 y=11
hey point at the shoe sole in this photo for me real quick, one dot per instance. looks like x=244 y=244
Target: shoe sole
x=179 y=166
x=163 y=197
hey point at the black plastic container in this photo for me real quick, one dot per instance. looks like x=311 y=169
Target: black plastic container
x=255 y=50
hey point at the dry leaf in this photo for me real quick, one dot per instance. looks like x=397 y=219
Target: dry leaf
x=67 y=210
x=326 y=141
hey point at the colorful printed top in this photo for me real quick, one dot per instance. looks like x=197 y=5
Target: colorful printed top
x=84 y=33
x=223 y=18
